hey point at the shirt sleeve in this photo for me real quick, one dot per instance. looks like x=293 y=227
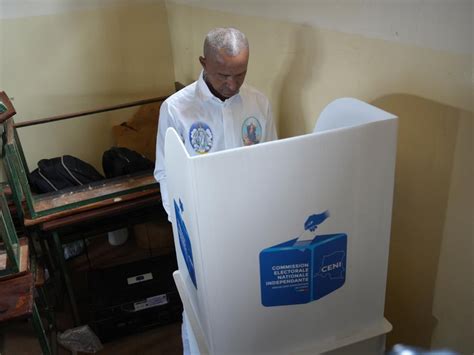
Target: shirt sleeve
x=165 y=121
x=270 y=134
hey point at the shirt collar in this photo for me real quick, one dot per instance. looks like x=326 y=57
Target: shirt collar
x=206 y=94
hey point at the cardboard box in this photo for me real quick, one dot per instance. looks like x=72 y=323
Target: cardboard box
x=154 y=235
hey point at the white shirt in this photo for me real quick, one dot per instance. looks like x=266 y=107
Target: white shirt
x=206 y=124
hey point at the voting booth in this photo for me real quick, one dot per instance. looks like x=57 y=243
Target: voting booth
x=282 y=247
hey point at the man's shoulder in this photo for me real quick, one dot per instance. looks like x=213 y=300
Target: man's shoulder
x=183 y=96
x=250 y=91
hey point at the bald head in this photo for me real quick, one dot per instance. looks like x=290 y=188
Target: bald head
x=225 y=40
x=224 y=64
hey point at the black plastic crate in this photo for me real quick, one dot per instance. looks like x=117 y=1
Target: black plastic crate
x=133 y=297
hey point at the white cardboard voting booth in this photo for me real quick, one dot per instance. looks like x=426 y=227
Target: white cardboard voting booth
x=282 y=247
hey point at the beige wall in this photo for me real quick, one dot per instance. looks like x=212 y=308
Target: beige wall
x=454 y=290
x=302 y=69
x=78 y=60
x=429 y=293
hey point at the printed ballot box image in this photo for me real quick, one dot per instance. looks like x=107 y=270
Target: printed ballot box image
x=301 y=271
x=286 y=237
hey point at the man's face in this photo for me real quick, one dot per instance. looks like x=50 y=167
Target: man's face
x=225 y=74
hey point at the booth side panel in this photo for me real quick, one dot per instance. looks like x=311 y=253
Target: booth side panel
x=181 y=190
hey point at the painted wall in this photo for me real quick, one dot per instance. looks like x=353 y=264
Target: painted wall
x=436 y=24
x=64 y=57
x=302 y=68
x=427 y=301
x=455 y=291
x=417 y=63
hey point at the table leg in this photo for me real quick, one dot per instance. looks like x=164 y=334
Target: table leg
x=45 y=252
x=67 y=280
x=41 y=334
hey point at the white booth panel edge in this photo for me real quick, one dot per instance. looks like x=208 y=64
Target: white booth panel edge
x=367 y=341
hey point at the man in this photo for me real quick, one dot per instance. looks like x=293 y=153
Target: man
x=214 y=113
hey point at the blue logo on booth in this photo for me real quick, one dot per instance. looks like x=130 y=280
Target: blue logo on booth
x=184 y=241
x=201 y=137
x=302 y=271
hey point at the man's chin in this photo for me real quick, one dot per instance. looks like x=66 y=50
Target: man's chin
x=228 y=95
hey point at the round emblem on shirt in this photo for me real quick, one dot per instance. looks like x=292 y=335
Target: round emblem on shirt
x=251 y=131
x=200 y=137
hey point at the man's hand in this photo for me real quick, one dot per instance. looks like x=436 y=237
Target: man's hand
x=314 y=220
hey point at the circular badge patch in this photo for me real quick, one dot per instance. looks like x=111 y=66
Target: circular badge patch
x=251 y=131
x=200 y=137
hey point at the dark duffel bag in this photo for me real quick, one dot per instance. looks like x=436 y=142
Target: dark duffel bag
x=118 y=161
x=62 y=172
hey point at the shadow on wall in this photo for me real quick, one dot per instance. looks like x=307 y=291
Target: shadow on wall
x=301 y=72
x=425 y=154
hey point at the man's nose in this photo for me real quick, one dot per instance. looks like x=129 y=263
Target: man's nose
x=232 y=83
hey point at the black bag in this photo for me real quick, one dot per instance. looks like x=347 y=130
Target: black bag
x=118 y=161
x=62 y=172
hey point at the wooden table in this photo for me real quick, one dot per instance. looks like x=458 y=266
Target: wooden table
x=55 y=230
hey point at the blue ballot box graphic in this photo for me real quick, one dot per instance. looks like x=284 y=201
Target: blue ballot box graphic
x=184 y=242
x=301 y=271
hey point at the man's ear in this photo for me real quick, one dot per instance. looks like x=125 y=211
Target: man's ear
x=202 y=60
